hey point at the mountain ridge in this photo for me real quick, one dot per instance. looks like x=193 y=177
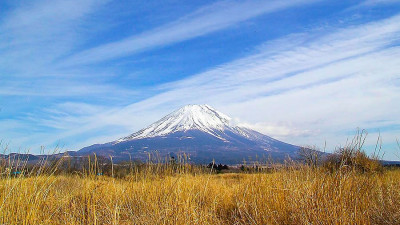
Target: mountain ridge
x=199 y=130
x=201 y=117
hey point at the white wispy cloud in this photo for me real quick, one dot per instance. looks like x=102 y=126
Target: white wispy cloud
x=208 y=19
x=37 y=32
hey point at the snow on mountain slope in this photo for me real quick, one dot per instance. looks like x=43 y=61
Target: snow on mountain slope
x=198 y=117
x=199 y=131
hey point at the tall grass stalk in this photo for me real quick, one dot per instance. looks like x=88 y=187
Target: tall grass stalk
x=172 y=191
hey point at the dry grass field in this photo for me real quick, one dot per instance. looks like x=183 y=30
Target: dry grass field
x=347 y=187
x=301 y=195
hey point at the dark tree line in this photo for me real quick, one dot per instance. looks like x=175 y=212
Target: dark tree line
x=218 y=167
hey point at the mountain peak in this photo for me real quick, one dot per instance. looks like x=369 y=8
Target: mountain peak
x=200 y=131
x=201 y=113
x=199 y=117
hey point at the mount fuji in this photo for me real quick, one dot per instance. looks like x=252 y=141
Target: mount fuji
x=202 y=133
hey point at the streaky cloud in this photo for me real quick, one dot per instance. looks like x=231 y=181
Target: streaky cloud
x=208 y=19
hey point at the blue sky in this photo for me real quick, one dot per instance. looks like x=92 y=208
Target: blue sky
x=74 y=73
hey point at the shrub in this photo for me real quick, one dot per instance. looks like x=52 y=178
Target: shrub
x=353 y=157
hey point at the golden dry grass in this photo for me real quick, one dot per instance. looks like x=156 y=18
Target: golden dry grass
x=288 y=196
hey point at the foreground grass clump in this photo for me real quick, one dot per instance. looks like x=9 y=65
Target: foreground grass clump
x=288 y=196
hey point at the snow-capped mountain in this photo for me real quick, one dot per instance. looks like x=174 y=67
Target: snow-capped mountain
x=192 y=117
x=198 y=117
x=200 y=131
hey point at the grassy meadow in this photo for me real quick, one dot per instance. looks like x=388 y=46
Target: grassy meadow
x=348 y=187
x=301 y=195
